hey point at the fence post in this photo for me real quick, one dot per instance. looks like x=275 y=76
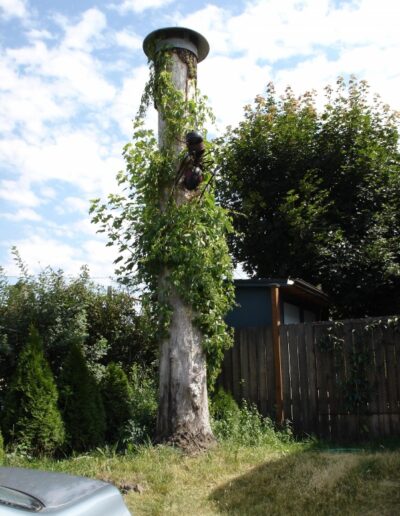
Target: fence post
x=276 y=322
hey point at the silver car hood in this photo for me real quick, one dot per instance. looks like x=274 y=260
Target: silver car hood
x=60 y=491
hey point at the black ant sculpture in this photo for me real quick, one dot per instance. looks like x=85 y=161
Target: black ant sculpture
x=193 y=164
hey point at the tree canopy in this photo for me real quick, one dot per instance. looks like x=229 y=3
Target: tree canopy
x=316 y=194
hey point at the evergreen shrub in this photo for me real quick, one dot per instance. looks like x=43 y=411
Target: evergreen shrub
x=81 y=403
x=31 y=418
x=117 y=399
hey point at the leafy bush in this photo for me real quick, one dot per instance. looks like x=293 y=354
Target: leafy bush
x=117 y=399
x=31 y=417
x=223 y=406
x=144 y=405
x=244 y=425
x=81 y=403
x=67 y=310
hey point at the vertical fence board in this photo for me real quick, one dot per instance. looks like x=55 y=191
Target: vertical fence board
x=236 y=389
x=286 y=387
x=311 y=380
x=395 y=341
x=322 y=367
x=270 y=372
x=335 y=379
x=244 y=365
x=262 y=374
x=389 y=344
x=373 y=422
x=294 y=377
x=341 y=366
x=381 y=380
x=303 y=384
x=253 y=336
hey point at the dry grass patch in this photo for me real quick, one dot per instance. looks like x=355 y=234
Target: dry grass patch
x=246 y=481
x=316 y=484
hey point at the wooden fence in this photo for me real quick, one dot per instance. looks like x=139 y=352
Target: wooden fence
x=340 y=381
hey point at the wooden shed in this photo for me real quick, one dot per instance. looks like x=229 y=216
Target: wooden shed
x=262 y=307
x=274 y=301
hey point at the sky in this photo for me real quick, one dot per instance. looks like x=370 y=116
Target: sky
x=71 y=77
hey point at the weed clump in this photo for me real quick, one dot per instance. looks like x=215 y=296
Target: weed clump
x=140 y=428
x=243 y=425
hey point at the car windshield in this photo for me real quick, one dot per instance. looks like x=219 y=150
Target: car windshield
x=19 y=500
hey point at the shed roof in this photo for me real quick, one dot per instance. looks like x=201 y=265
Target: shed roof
x=296 y=287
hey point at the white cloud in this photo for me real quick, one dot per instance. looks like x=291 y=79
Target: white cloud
x=74 y=73
x=128 y=40
x=211 y=22
x=42 y=83
x=77 y=158
x=48 y=193
x=39 y=34
x=19 y=193
x=127 y=100
x=40 y=252
x=73 y=205
x=229 y=82
x=13 y=8
x=83 y=35
x=139 y=6
x=22 y=214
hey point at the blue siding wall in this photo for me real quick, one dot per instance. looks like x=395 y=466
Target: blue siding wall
x=254 y=309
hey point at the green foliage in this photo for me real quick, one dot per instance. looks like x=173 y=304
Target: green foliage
x=140 y=428
x=81 y=403
x=223 y=406
x=31 y=418
x=144 y=397
x=165 y=245
x=316 y=195
x=117 y=399
x=244 y=426
x=66 y=310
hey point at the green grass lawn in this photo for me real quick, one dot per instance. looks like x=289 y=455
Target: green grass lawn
x=288 y=479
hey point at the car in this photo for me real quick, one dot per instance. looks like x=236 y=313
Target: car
x=43 y=492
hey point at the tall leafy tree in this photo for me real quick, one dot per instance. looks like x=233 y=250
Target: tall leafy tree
x=31 y=417
x=316 y=194
x=171 y=237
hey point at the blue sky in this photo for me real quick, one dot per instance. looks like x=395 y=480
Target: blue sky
x=71 y=77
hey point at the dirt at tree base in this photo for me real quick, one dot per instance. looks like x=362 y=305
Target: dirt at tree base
x=188 y=442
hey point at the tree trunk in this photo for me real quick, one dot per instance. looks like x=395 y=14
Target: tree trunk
x=183 y=416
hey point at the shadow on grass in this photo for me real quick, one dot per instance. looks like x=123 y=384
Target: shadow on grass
x=316 y=483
